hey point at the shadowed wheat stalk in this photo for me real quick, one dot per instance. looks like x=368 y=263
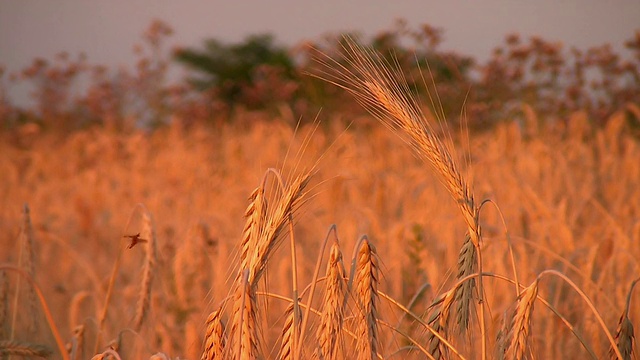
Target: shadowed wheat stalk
x=27 y=262
x=4 y=304
x=625 y=336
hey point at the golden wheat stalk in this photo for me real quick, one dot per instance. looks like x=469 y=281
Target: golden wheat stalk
x=214 y=339
x=329 y=331
x=144 y=298
x=366 y=293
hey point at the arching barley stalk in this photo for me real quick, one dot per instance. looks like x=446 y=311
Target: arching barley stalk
x=384 y=92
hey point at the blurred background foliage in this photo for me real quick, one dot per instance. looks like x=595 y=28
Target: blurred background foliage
x=259 y=76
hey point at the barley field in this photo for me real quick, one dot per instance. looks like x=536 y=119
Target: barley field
x=376 y=237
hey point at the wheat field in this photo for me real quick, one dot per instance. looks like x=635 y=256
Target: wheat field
x=378 y=240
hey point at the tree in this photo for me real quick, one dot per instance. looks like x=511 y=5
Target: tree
x=239 y=73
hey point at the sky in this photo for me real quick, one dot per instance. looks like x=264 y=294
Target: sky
x=106 y=31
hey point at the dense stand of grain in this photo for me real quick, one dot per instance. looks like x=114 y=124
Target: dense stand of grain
x=567 y=190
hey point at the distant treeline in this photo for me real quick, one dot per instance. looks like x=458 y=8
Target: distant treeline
x=258 y=75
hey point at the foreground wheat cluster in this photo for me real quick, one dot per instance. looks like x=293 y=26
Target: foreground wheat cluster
x=546 y=269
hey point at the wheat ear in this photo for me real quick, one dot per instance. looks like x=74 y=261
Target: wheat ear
x=214 y=339
x=284 y=207
x=366 y=293
x=4 y=304
x=77 y=343
x=520 y=325
x=624 y=334
x=244 y=332
x=27 y=262
x=467 y=264
x=439 y=320
x=144 y=298
x=17 y=348
x=329 y=333
x=255 y=215
x=287 y=349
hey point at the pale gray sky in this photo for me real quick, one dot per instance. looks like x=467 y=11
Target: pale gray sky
x=107 y=30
